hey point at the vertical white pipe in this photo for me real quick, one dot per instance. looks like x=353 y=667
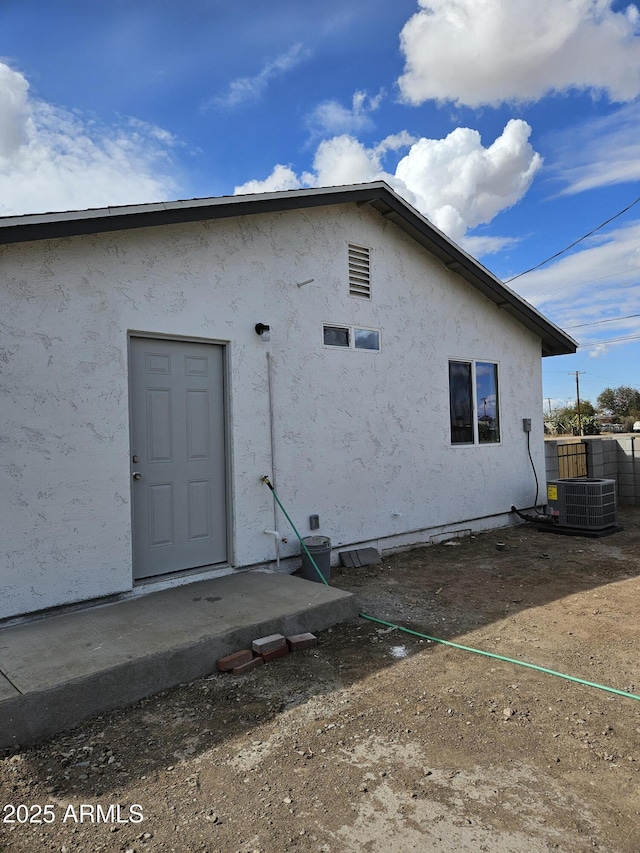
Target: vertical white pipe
x=274 y=478
x=276 y=536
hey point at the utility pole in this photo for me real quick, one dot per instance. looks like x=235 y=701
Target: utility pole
x=549 y=402
x=577 y=375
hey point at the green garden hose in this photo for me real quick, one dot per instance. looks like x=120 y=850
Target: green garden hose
x=267 y=482
x=501 y=657
x=526 y=664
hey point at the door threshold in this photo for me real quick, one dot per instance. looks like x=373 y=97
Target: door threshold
x=202 y=573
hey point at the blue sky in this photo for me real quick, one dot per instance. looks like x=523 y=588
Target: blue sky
x=513 y=125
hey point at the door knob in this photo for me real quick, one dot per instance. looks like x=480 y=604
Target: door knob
x=137 y=475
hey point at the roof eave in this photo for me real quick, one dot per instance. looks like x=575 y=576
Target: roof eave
x=32 y=227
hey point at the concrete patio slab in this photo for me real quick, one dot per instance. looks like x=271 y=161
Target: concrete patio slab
x=66 y=668
x=7 y=690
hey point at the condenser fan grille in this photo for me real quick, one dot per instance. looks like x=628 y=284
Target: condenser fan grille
x=589 y=504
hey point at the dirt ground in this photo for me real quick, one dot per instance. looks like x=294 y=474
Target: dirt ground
x=377 y=740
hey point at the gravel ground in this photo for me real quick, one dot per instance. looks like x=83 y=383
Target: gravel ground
x=378 y=740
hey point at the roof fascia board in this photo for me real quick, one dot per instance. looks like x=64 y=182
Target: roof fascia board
x=31 y=227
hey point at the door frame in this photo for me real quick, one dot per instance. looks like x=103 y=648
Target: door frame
x=228 y=467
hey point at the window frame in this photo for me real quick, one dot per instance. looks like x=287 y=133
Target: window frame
x=357 y=329
x=475 y=416
x=340 y=326
x=351 y=330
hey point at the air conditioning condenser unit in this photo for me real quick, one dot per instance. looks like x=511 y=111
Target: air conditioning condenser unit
x=583 y=504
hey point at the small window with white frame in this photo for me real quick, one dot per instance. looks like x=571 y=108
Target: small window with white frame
x=336 y=336
x=366 y=339
x=350 y=337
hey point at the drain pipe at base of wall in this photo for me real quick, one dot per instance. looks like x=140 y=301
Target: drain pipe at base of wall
x=277 y=539
x=430 y=639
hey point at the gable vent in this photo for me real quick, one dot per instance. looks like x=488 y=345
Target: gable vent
x=359 y=271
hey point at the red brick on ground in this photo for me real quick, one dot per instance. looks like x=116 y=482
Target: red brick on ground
x=227 y=663
x=267 y=644
x=248 y=666
x=301 y=641
x=275 y=654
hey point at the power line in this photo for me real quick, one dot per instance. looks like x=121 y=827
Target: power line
x=606 y=277
x=575 y=242
x=608 y=320
x=609 y=275
x=554 y=288
x=610 y=341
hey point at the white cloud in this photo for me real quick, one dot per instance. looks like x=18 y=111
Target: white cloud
x=247 y=89
x=606 y=259
x=598 y=153
x=599 y=283
x=395 y=142
x=475 y=52
x=555 y=403
x=344 y=160
x=282 y=178
x=14 y=110
x=599 y=350
x=481 y=246
x=51 y=159
x=330 y=118
x=455 y=182
x=338 y=161
x=461 y=184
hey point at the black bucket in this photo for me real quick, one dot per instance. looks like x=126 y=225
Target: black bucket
x=319 y=547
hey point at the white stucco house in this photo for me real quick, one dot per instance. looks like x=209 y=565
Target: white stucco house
x=141 y=399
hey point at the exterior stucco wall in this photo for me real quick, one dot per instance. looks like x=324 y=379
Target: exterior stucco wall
x=360 y=438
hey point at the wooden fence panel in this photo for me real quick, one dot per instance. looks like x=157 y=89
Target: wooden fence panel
x=572 y=459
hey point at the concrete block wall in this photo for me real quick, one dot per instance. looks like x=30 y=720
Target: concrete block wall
x=602 y=457
x=612 y=458
x=596 y=459
x=629 y=470
x=551 y=460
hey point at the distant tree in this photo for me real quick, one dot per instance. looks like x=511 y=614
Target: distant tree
x=620 y=402
x=607 y=401
x=564 y=420
x=590 y=424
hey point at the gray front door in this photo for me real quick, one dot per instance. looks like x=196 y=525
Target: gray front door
x=177 y=456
